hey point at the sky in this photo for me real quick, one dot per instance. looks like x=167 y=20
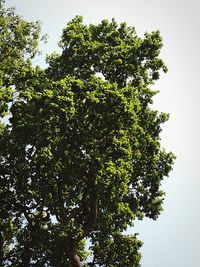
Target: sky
x=174 y=239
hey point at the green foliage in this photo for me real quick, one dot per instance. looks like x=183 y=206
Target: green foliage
x=119 y=250
x=18 y=44
x=80 y=156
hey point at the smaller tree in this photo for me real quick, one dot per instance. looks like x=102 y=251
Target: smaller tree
x=18 y=45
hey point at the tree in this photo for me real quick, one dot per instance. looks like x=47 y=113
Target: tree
x=81 y=155
x=18 y=44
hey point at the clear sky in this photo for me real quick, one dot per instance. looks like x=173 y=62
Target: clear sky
x=174 y=239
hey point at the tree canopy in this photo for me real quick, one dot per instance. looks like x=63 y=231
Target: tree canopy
x=80 y=155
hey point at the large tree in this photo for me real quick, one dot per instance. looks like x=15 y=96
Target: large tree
x=80 y=156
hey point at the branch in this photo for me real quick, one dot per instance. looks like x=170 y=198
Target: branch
x=60 y=200
x=1 y=248
x=90 y=223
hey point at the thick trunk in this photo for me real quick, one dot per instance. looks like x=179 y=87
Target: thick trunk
x=75 y=261
x=72 y=254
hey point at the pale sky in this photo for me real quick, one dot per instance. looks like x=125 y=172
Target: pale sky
x=174 y=239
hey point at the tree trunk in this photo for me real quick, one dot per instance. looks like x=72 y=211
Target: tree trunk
x=87 y=226
x=72 y=254
x=75 y=261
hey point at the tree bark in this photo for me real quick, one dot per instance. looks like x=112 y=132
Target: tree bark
x=72 y=254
